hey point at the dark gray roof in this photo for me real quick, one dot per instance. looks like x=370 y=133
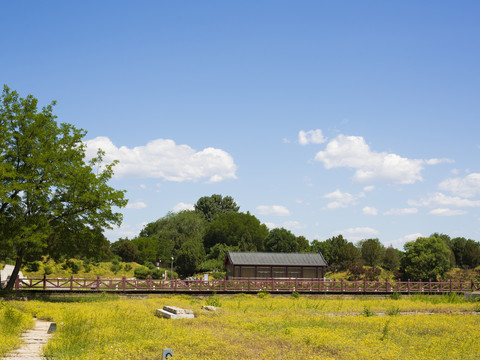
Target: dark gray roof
x=276 y=259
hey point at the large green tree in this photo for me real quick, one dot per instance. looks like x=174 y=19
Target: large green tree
x=177 y=235
x=47 y=187
x=236 y=229
x=426 y=258
x=212 y=206
x=372 y=252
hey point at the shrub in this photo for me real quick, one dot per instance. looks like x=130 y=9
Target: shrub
x=47 y=270
x=72 y=265
x=142 y=272
x=33 y=266
x=393 y=310
x=372 y=274
x=367 y=312
x=295 y=295
x=156 y=273
x=127 y=267
x=213 y=300
x=395 y=296
x=116 y=268
x=264 y=294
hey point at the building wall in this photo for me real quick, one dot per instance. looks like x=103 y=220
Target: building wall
x=277 y=272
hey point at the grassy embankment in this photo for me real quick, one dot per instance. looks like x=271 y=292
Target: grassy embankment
x=261 y=327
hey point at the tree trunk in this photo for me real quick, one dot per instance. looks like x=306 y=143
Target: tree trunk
x=16 y=270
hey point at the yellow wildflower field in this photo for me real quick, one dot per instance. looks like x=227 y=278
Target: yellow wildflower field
x=262 y=327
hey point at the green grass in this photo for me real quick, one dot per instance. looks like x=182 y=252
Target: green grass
x=259 y=327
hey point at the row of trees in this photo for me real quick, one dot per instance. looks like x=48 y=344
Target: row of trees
x=54 y=202
x=199 y=239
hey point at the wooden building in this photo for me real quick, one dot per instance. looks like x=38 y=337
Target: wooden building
x=241 y=265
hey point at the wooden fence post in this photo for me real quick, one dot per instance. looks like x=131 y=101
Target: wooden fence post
x=98 y=283
x=124 y=283
x=44 y=281
x=408 y=286
x=17 y=283
x=386 y=285
x=450 y=285
x=71 y=282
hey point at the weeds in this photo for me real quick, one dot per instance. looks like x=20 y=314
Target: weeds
x=367 y=312
x=385 y=331
x=393 y=310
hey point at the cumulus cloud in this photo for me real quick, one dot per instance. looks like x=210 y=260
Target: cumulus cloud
x=124 y=231
x=442 y=200
x=354 y=152
x=404 y=211
x=447 y=212
x=358 y=233
x=311 y=137
x=293 y=225
x=342 y=199
x=276 y=210
x=468 y=186
x=136 y=205
x=182 y=206
x=162 y=158
x=368 y=210
x=398 y=243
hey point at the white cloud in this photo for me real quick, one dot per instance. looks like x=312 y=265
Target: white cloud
x=354 y=152
x=311 y=137
x=182 y=206
x=293 y=225
x=275 y=210
x=136 y=205
x=447 y=212
x=162 y=158
x=124 y=231
x=341 y=199
x=398 y=243
x=438 y=161
x=368 y=210
x=442 y=200
x=270 y=225
x=368 y=188
x=357 y=233
x=468 y=186
x=289 y=225
x=404 y=211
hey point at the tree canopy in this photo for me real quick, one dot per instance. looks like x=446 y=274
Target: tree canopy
x=47 y=187
x=426 y=258
x=212 y=206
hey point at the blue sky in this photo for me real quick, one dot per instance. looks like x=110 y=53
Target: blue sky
x=323 y=117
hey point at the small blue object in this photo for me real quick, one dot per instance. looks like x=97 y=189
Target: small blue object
x=167 y=353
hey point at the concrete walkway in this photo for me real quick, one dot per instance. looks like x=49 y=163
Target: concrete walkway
x=32 y=342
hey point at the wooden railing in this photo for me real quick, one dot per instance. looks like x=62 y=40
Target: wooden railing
x=244 y=285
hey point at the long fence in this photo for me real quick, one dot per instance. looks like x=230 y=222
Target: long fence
x=313 y=286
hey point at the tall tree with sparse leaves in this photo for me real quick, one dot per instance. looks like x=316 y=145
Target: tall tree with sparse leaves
x=46 y=183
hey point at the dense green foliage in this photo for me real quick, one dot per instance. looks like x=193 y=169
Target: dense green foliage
x=426 y=258
x=51 y=200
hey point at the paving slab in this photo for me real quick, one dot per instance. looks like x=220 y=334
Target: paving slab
x=33 y=341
